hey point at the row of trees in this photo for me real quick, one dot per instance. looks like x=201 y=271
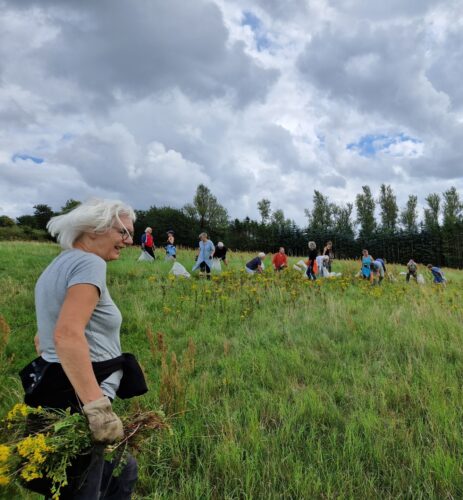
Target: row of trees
x=398 y=234
x=331 y=217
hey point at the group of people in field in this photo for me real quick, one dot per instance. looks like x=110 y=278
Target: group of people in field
x=317 y=265
x=148 y=246
x=375 y=270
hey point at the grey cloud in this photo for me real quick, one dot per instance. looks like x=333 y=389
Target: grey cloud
x=381 y=10
x=135 y=49
x=444 y=159
x=110 y=159
x=13 y=115
x=376 y=70
x=278 y=147
x=333 y=180
x=445 y=71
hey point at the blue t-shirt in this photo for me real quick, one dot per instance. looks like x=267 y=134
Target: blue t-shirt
x=254 y=263
x=366 y=261
x=438 y=275
x=171 y=250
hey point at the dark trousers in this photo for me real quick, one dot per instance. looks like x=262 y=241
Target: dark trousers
x=310 y=274
x=149 y=250
x=204 y=268
x=411 y=274
x=90 y=477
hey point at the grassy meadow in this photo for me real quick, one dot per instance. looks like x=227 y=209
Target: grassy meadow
x=274 y=386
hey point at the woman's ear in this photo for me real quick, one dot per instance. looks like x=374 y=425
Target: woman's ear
x=92 y=235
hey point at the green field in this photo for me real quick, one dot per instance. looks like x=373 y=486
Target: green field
x=277 y=387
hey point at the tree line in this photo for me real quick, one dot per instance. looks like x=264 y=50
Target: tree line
x=398 y=234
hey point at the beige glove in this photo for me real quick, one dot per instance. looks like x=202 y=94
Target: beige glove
x=104 y=424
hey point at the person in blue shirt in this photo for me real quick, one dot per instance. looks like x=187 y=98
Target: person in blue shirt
x=437 y=274
x=171 y=251
x=366 y=261
x=377 y=269
x=256 y=265
x=205 y=253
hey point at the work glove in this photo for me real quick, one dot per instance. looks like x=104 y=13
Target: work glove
x=104 y=424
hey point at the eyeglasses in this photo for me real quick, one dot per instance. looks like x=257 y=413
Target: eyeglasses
x=124 y=232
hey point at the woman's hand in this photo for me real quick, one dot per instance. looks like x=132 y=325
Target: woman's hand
x=104 y=424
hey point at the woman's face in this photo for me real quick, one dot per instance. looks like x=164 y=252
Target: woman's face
x=108 y=245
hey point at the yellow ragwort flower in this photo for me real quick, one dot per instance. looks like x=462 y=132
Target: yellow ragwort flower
x=30 y=472
x=4 y=453
x=34 y=448
x=18 y=409
x=4 y=479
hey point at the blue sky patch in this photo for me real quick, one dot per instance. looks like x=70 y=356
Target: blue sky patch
x=24 y=156
x=370 y=144
x=251 y=20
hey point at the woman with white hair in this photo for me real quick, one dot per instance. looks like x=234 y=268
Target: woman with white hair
x=256 y=264
x=312 y=261
x=147 y=242
x=220 y=253
x=204 y=257
x=80 y=363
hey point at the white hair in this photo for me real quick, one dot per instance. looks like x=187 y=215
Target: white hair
x=95 y=215
x=312 y=245
x=261 y=255
x=220 y=244
x=148 y=229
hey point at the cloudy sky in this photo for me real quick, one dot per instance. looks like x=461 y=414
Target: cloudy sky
x=142 y=100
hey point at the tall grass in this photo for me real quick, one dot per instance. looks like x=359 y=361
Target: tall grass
x=277 y=387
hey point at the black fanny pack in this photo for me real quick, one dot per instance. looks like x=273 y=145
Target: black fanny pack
x=46 y=384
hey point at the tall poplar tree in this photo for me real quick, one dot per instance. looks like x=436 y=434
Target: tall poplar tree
x=365 y=205
x=432 y=212
x=409 y=215
x=389 y=209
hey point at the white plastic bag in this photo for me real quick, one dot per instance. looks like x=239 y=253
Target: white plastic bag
x=145 y=257
x=179 y=270
x=420 y=279
x=302 y=265
x=216 y=266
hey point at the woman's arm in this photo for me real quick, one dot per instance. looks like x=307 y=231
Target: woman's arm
x=70 y=342
x=37 y=345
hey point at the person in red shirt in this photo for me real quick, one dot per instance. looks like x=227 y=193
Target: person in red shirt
x=280 y=260
x=147 y=242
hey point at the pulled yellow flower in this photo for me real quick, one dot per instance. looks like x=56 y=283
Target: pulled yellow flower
x=4 y=452
x=30 y=472
x=34 y=448
x=4 y=479
x=18 y=409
